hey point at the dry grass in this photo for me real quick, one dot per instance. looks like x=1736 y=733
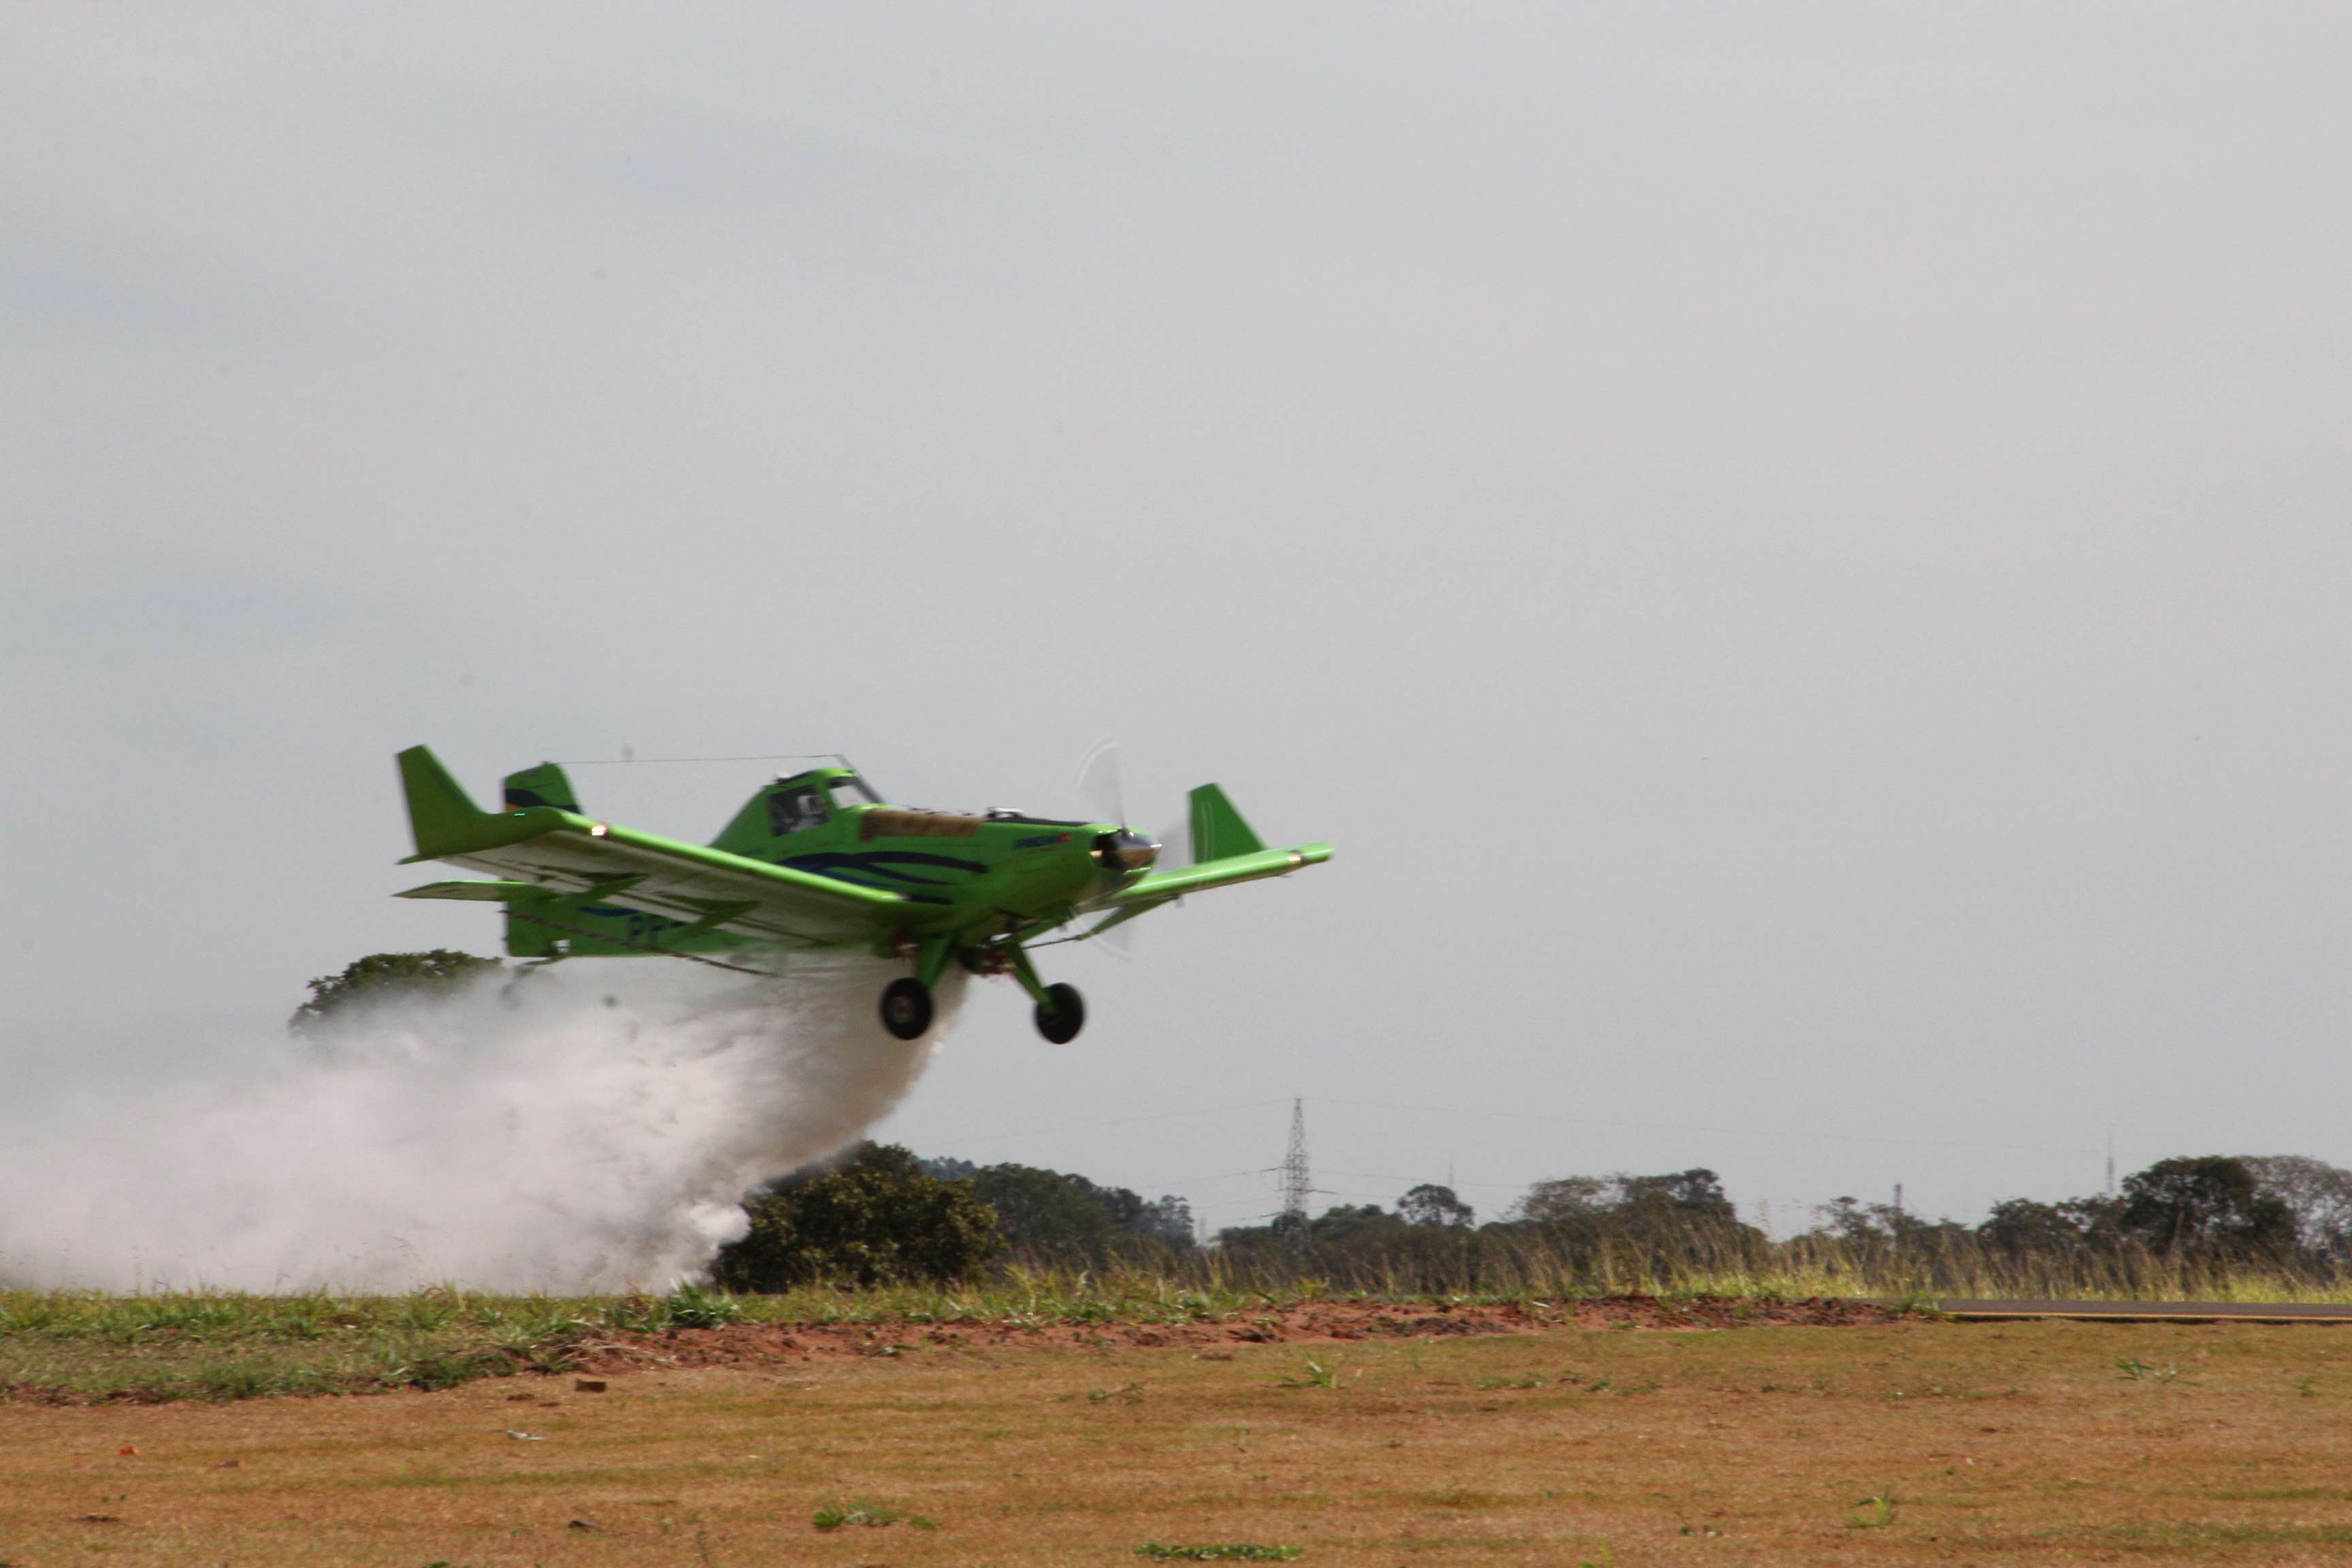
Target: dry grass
x=1916 y=1442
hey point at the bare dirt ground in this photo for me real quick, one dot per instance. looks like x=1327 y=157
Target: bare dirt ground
x=1319 y=1322
x=1513 y=1442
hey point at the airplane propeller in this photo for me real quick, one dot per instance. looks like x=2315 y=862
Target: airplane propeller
x=1100 y=782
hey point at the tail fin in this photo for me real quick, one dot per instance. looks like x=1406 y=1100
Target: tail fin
x=543 y=785
x=1218 y=830
x=441 y=815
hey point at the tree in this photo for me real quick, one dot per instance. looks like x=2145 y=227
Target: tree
x=1045 y=1213
x=2022 y=1227
x=2211 y=1204
x=1663 y=1223
x=1057 y=1217
x=1360 y=1245
x=2318 y=1194
x=1566 y=1198
x=381 y=976
x=1167 y=1221
x=1696 y=1194
x=1344 y=1222
x=874 y=1219
x=1430 y=1204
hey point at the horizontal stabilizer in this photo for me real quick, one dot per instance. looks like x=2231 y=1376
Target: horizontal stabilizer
x=477 y=892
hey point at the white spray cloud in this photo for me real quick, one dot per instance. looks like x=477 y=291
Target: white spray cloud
x=583 y=1128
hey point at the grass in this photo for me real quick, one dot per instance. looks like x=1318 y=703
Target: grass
x=1244 y=1552
x=871 y=1515
x=1312 y=1373
x=216 y=1346
x=1917 y=1442
x=223 y=1346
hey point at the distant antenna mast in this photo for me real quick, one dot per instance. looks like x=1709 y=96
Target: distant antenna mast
x=1296 y=1188
x=2111 y=1161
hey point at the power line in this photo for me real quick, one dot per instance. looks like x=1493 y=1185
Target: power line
x=639 y=762
x=1157 y=1116
x=1696 y=1127
x=1425 y=1111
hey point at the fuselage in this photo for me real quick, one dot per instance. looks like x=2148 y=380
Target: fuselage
x=996 y=869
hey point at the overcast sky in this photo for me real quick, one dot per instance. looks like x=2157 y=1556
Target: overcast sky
x=1800 y=552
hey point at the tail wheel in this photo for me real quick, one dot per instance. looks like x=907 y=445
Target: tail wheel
x=1062 y=1014
x=907 y=1009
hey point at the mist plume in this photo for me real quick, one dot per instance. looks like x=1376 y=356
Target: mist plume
x=586 y=1127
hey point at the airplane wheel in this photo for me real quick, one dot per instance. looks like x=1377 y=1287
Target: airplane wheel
x=906 y=1008
x=1061 y=1022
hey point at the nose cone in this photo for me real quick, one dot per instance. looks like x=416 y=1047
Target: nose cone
x=1124 y=850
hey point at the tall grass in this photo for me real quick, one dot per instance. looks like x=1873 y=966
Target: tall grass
x=1717 y=1259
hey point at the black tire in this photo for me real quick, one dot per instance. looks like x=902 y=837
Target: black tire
x=906 y=1008
x=1061 y=1021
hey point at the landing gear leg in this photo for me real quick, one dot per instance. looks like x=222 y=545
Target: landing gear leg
x=1061 y=1011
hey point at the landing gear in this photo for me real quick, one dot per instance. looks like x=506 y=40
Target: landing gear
x=907 y=1009
x=1062 y=1013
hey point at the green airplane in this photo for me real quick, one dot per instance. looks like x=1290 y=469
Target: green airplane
x=818 y=860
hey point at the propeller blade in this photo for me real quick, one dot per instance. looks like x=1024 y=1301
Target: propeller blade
x=1176 y=842
x=1098 y=781
x=1115 y=935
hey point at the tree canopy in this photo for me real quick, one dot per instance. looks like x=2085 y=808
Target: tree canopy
x=877 y=1217
x=382 y=975
x=1432 y=1204
x=2211 y=1204
x=1053 y=1217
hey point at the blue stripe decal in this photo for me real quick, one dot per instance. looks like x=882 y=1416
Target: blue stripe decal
x=883 y=863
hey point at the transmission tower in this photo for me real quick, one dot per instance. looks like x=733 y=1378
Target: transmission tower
x=1296 y=1188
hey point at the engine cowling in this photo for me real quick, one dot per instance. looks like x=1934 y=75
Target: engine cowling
x=1125 y=850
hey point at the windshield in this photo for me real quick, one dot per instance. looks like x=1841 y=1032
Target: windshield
x=794 y=809
x=849 y=789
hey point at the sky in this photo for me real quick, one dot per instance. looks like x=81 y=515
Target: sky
x=1799 y=552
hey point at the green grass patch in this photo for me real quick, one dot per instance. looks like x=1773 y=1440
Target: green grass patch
x=871 y=1515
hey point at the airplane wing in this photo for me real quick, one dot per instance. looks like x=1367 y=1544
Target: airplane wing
x=1163 y=885
x=544 y=850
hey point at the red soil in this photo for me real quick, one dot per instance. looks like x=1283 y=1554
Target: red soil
x=757 y=1344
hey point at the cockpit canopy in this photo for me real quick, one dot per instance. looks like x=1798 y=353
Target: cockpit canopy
x=809 y=800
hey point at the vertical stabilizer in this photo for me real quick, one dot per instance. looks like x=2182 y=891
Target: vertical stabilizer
x=440 y=814
x=543 y=785
x=1218 y=830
